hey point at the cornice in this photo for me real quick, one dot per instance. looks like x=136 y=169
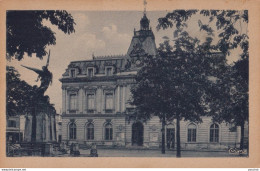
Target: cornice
x=92 y=115
x=96 y=79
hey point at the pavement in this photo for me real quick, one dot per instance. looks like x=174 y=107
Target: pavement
x=126 y=152
x=157 y=153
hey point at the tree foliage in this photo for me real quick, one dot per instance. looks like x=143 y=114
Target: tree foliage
x=228 y=96
x=228 y=23
x=171 y=81
x=188 y=79
x=20 y=96
x=27 y=34
x=173 y=84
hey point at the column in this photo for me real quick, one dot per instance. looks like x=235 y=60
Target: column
x=83 y=101
x=28 y=128
x=39 y=130
x=99 y=99
x=67 y=101
x=128 y=94
x=80 y=93
x=54 y=128
x=63 y=100
x=118 y=99
x=123 y=98
x=102 y=100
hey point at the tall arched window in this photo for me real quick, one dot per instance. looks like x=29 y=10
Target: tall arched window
x=192 y=129
x=108 y=131
x=90 y=131
x=73 y=131
x=214 y=133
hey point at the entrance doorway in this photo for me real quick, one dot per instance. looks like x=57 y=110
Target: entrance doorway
x=170 y=138
x=137 y=134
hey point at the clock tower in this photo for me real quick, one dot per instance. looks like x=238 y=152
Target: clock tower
x=142 y=44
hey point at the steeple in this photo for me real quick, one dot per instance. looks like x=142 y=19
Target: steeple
x=145 y=3
x=144 y=22
x=143 y=41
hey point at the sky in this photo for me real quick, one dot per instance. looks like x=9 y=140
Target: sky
x=99 y=33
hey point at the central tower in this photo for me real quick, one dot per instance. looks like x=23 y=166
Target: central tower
x=143 y=43
x=144 y=23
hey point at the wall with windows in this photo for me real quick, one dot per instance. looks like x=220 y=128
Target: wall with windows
x=90 y=106
x=118 y=131
x=102 y=131
x=97 y=110
x=100 y=99
x=207 y=135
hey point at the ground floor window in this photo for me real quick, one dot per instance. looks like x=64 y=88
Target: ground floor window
x=214 y=133
x=108 y=131
x=72 y=131
x=90 y=131
x=192 y=133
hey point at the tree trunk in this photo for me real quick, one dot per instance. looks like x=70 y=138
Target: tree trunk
x=178 y=154
x=163 y=134
x=242 y=135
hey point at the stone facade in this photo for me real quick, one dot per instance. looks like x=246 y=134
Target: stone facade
x=40 y=126
x=13 y=132
x=95 y=104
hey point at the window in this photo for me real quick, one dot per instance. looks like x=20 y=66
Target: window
x=90 y=131
x=59 y=138
x=73 y=101
x=90 y=102
x=90 y=72
x=73 y=73
x=108 y=131
x=214 y=133
x=12 y=123
x=72 y=131
x=109 y=101
x=109 y=71
x=192 y=133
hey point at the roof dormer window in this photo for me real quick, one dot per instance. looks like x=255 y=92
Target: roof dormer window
x=90 y=72
x=109 y=71
x=72 y=73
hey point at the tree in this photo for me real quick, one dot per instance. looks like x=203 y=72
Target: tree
x=171 y=85
x=27 y=34
x=20 y=95
x=228 y=99
x=233 y=98
x=17 y=92
x=229 y=102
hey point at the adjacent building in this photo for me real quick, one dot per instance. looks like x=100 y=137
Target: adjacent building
x=95 y=104
x=58 y=127
x=14 y=130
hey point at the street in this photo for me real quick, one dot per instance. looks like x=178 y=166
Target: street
x=157 y=153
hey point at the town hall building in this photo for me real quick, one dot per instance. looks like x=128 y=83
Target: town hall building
x=95 y=105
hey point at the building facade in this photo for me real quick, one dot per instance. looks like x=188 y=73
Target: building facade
x=58 y=127
x=14 y=132
x=95 y=104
